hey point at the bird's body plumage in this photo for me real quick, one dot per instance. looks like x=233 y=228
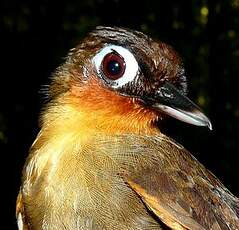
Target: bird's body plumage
x=100 y=162
x=91 y=199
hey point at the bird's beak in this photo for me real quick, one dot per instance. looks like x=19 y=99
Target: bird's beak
x=171 y=102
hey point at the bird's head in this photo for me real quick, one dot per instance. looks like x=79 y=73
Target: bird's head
x=119 y=79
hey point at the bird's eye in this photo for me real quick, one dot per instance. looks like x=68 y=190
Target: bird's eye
x=116 y=65
x=113 y=66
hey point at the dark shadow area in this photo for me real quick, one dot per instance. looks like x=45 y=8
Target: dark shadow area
x=36 y=35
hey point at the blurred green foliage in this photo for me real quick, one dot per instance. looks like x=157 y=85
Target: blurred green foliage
x=37 y=34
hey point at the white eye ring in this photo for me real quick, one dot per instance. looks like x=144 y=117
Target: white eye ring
x=131 y=65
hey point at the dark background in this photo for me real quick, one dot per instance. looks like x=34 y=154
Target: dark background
x=36 y=35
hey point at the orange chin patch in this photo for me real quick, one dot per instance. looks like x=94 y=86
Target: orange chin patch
x=110 y=111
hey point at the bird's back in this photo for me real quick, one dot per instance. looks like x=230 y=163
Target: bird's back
x=97 y=191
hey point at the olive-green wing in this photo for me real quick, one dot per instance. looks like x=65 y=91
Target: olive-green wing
x=180 y=191
x=173 y=184
x=20 y=214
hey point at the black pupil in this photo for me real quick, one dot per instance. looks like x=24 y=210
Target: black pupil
x=114 y=67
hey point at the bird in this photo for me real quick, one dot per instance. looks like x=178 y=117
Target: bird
x=101 y=160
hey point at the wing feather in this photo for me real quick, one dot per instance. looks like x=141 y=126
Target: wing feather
x=173 y=184
x=20 y=214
